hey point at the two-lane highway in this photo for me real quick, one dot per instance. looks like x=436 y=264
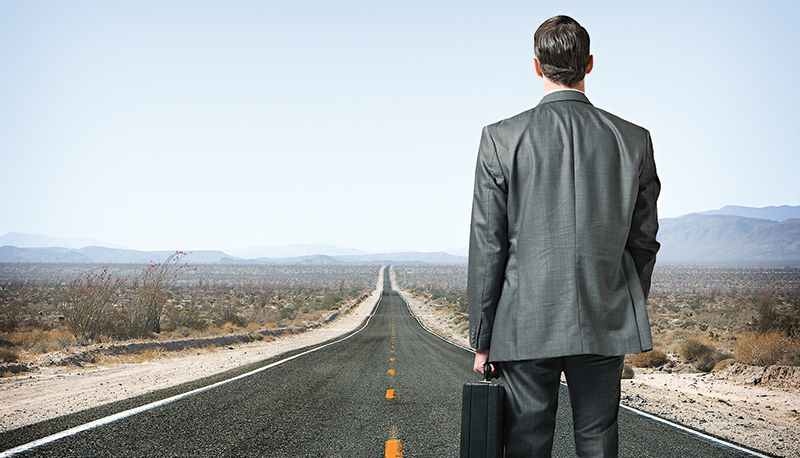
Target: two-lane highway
x=391 y=380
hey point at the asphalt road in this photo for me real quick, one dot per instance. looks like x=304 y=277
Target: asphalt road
x=333 y=403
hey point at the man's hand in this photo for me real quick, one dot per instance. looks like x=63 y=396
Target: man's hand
x=481 y=358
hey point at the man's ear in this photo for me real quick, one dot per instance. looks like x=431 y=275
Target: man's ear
x=539 y=69
x=590 y=66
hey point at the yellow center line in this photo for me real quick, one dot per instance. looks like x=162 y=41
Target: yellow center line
x=394 y=449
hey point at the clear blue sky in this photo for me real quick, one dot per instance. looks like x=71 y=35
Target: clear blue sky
x=212 y=125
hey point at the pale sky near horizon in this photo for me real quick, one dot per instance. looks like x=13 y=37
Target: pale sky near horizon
x=194 y=125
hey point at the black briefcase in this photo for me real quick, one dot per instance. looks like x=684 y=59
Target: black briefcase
x=482 y=419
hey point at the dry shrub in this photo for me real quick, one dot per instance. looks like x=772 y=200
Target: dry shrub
x=703 y=354
x=150 y=293
x=723 y=364
x=8 y=355
x=694 y=349
x=149 y=355
x=229 y=326
x=627 y=372
x=41 y=341
x=189 y=319
x=653 y=358
x=707 y=362
x=88 y=303
x=793 y=358
x=762 y=349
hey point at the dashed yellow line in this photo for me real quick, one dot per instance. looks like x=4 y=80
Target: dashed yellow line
x=394 y=448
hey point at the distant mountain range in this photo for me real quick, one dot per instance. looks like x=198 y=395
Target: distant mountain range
x=103 y=255
x=100 y=255
x=700 y=239
x=781 y=213
x=732 y=235
x=292 y=251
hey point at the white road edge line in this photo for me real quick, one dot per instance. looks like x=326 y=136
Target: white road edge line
x=633 y=410
x=153 y=405
x=695 y=433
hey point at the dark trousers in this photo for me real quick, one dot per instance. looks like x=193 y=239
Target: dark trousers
x=532 y=398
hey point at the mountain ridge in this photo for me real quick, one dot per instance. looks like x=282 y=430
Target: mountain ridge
x=716 y=237
x=703 y=239
x=774 y=213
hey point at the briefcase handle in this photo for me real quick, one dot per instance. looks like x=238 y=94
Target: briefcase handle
x=488 y=374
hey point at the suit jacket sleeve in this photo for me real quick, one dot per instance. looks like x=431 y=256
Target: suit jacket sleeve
x=488 y=243
x=642 y=244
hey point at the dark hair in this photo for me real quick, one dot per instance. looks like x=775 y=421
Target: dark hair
x=562 y=47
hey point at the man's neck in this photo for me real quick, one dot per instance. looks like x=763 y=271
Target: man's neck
x=550 y=86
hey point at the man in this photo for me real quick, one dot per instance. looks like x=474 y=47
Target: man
x=562 y=248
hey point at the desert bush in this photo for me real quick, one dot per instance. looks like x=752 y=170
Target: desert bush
x=723 y=364
x=189 y=319
x=8 y=355
x=627 y=371
x=87 y=305
x=792 y=358
x=653 y=358
x=694 y=348
x=13 y=313
x=150 y=293
x=762 y=349
x=707 y=362
x=264 y=315
x=44 y=341
x=331 y=302
x=703 y=354
x=227 y=314
x=769 y=318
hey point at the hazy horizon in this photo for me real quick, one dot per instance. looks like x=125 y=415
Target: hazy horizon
x=773 y=213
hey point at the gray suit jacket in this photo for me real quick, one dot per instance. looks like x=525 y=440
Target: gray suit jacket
x=563 y=235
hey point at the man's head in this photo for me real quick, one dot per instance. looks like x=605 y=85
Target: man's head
x=561 y=47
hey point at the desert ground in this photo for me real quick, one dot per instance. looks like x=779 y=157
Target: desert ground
x=753 y=406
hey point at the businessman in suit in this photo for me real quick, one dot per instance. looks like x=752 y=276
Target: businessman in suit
x=562 y=248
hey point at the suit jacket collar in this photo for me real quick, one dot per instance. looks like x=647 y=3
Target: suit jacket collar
x=561 y=96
